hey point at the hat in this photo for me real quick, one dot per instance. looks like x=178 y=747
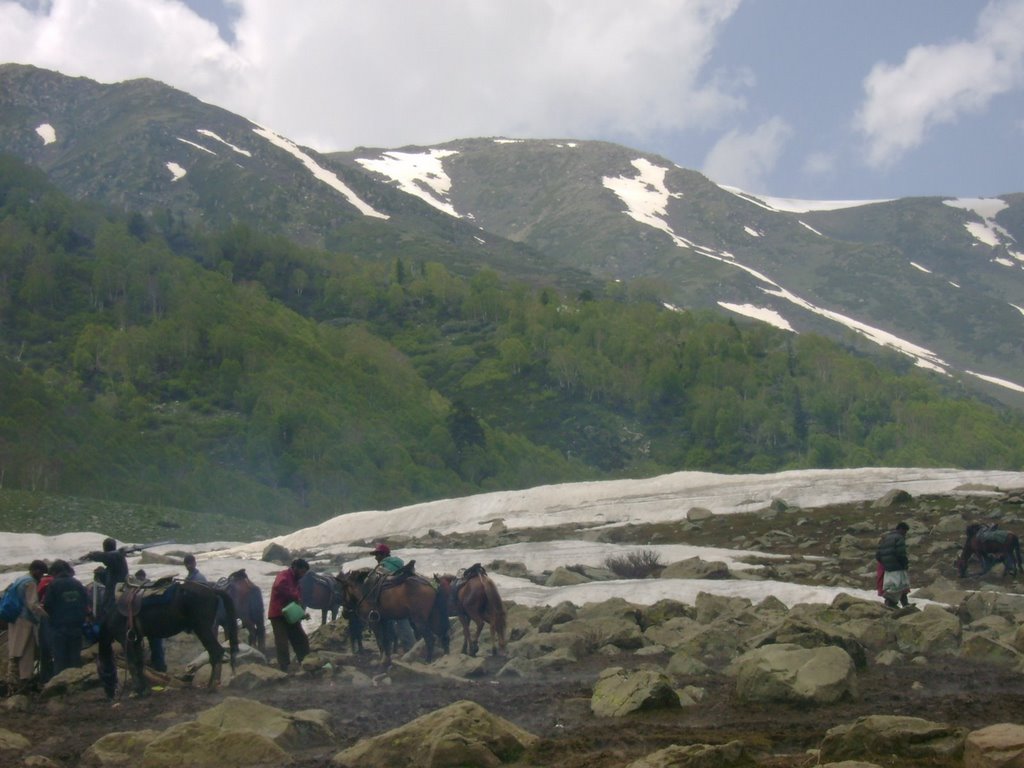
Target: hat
x=382 y=549
x=902 y=527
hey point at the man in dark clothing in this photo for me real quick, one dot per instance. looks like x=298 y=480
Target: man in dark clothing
x=66 y=602
x=115 y=563
x=892 y=555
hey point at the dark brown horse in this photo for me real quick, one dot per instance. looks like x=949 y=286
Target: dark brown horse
x=990 y=545
x=322 y=591
x=248 y=599
x=181 y=607
x=410 y=597
x=474 y=597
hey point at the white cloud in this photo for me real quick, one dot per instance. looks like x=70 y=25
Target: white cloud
x=938 y=84
x=340 y=74
x=745 y=159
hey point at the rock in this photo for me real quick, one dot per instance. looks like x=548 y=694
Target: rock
x=791 y=673
x=118 y=749
x=683 y=664
x=252 y=676
x=12 y=742
x=564 y=577
x=982 y=648
x=812 y=634
x=889 y=736
x=200 y=745
x=537 y=644
x=731 y=755
x=289 y=730
x=697 y=514
x=275 y=553
x=69 y=681
x=709 y=607
x=605 y=631
x=931 y=632
x=995 y=746
x=695 y=568
x=556 y=614
x=463 y=733
x=892 y=498
x=618 y=692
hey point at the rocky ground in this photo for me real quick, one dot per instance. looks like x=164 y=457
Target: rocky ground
x=832 y=546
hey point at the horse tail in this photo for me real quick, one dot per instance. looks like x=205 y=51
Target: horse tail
x=231 y=627
x=497 y=609
x=259 y=616
x=1016 y=552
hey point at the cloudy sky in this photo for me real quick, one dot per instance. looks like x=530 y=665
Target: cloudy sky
x=795 y=98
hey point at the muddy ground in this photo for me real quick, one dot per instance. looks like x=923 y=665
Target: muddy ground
x=556 y=707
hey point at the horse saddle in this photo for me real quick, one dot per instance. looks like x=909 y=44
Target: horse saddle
x=132 y=596
x=465 y=575
x=993 y=534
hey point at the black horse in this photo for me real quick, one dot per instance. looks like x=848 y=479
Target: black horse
x=163 y=612
x=248 y=599
x=990 y=545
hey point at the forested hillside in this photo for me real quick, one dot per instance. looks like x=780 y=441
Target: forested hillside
x=145 y=360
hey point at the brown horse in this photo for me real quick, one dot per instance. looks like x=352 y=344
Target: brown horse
x=473 y=597
x=183 y=607
x=321 y=591
x=990 y=545
x=410 y=597
x=248 y=599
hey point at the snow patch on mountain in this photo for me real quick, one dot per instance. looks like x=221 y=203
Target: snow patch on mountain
x=997 y=381
x=420 y=174
x=319 y=172
x=197 y=146
x=987 y=231
x=176 y=170
x=47 y=133
x=794 y=205
x=763 y=314
x=226 y=143
x=915 y=265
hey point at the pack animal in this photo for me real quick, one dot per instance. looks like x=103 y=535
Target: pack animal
x=403 y=597
x=321 y=591
x=473 y=597
x=248 y=600
x=163 y=610
x=990 y=545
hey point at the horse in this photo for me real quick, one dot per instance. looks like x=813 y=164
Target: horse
x=412 y=597
x=990 y=545
x=248 y=599
x=474 y=597
x=146 y=612
x=321 y=591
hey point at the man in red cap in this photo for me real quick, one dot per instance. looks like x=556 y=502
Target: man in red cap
x=385 y=560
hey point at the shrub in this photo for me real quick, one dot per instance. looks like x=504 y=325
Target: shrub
x=639 y=564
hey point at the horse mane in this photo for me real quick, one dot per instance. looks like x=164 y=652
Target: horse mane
x=357 y=574
x=239 y=574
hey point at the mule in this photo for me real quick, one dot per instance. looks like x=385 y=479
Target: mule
x=248 y=600
x=321 y=591
x=163 y=612
x=410 y=597
x=473 y=597
x=990 y=545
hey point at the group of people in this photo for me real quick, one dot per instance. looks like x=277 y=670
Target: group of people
x=57 y=611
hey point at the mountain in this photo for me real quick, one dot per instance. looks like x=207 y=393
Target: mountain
x=940 y=280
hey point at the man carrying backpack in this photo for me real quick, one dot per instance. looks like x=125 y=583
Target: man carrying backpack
x=23 y=633
x=67 y=605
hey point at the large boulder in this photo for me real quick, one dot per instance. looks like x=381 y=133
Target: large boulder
x=120 y=748
x=983 y=648
x=463 y=733
x=70 y=681
x=252 y=676
x=306 y=728
x=605 y=630
x=790 y=673
x=695 y=568
x=730 y=755
x=11 y=742
x=199 y=745
x=889 y=736
x=997 y=746
x=619 y=692
x=931 y=632
x=808 y=633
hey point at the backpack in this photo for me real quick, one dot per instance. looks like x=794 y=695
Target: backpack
x=13 y=601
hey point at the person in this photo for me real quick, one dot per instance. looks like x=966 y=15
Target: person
x=115 y=565
x=892 y=556
x=67 y=605
x=45 y=643
x=192 y=572
x=284 y=591
x=23 y=634
x=396 y=630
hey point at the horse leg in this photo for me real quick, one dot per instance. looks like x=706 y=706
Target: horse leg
x=134 y=657
x=216 y=653
x=475 y=647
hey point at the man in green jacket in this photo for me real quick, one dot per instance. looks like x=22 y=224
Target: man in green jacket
x=892 y=554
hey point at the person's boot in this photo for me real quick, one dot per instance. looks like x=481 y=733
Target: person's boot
x=890 y=603
x=904 y=600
